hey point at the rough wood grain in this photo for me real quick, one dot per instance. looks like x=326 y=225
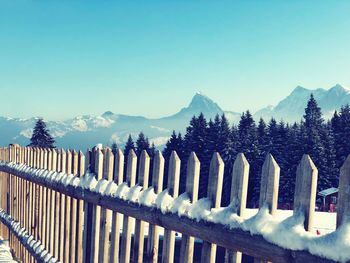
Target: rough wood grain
x=238 y=197
x=128 y=221
x=343 y=204
x=116 y=217
x=157 y=184
x=105 y=219
x=192 y=185
x=216 y=175
x=173 y=190
x=96 y=210
x=305 y=191
x=143 y=176
x=269 y=184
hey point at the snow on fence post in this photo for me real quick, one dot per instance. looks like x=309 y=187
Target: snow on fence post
x=143 y=176
x=74 y=216
x=305 y=191
x=90 y=161
x=343 y=206
x=173 y=191
x=192 y=184
x=67 y=211
x=116 y=217
x=216 y=175
x=238 y=197
x=96 y=210
x=105 y=219
x=157 y=184
x=128 y=221
x=80 y=209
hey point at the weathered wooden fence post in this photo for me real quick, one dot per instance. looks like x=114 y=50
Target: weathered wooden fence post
x=90 y=160
x=62 y=209
x=105 y=220
x=143 y=176
x=80 y=219
x=305 y=191
x=157 y=184
x=173 y=191
x=216 y=175
x=238 y=197
x=67 y=211
x=343 y=213
x=128 y=221
x=96 y=210
x=116 y=217
x=192 y=185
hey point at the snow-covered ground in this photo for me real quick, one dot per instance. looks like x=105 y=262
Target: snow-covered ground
x=285 y=229
x=5 y=252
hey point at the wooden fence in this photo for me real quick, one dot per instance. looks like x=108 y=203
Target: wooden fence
x=62 y=205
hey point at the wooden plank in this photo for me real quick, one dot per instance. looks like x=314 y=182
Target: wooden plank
x=67 y=212
x=143 y=176
x=96 y=210
x=269 y=184
x=128 y=221
x=80 y=219
x=62 y=210
x=49 y=205
x=153 y=230
x=238 y=197
x=216 y=176
x=106 y=215
x=343 y=204
x=173 y=190
x=116 y=217
x=305 y=191
x=88 y=212
x=44 y=202
x=192 y=185
x=74 y=215
x=54 y=208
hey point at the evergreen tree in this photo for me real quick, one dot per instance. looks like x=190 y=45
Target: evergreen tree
x=313 y=144
x=128 y=146
x=41 y=136
x=114 y=147
x=195 y=140
x=248 y=144
x=142 y=143
x=341 y=131
x=292 y=156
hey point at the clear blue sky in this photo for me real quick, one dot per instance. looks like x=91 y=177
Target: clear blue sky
x=64 y=58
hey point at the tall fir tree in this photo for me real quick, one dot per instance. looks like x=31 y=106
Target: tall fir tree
x=313 y=144
x=248 y=144
x=128 y=146
x=41 y=136
x=195 y=140
x=142 y=143
x=341 y=131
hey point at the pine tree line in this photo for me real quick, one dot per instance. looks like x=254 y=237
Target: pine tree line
x=324 y=141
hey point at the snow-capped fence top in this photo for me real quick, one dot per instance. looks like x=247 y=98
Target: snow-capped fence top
x=76 y=213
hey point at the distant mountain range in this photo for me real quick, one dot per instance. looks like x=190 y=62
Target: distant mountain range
x=84 y=131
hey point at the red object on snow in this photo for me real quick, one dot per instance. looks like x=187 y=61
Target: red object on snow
x=318 y=232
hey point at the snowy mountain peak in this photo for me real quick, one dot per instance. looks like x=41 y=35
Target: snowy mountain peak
x=200 y=101
x=339 y=89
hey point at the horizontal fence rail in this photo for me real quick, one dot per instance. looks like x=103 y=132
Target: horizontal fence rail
x=85 y=208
